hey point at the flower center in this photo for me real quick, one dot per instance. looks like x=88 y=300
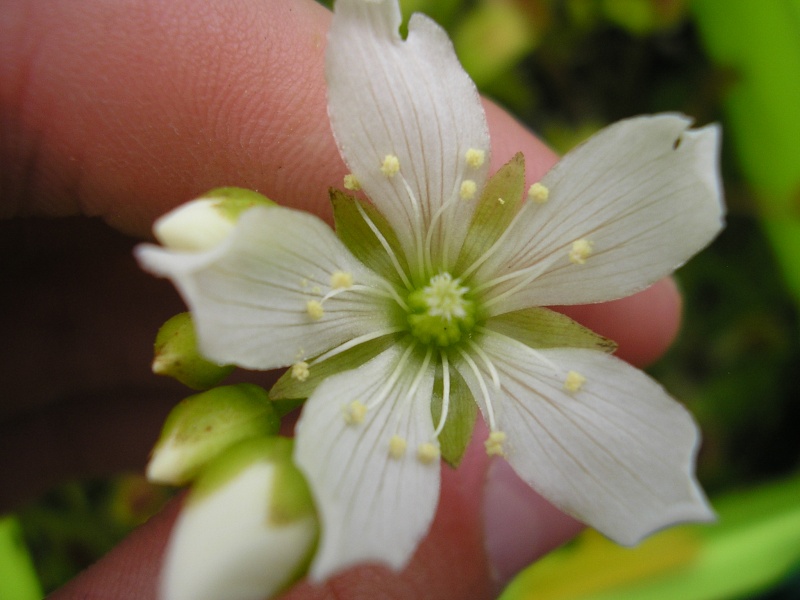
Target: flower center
x=439 y=313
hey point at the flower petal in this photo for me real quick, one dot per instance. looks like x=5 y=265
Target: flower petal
x=249 y=295
x=410 y=99
x=639 y=198
x=373 y=506
x=617 y=452
x=226 y=544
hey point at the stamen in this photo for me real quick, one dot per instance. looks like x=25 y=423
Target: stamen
x=486 y=361
x=341 y=280
x=354 y=413
x=355 y=342
x=397 y=447
x=385 y=244
x=427 y=453
x=314 y=309
x=538 y=193
x=384 y=391
x=528 y=274
x=501 y=201
x=434 y=223
x=524 y=348
x=574 y=381
x=484 y=390
x=581 y=250
x=351 y=183
x=468 y=189
x=475 y=157
x=418 y=230
x=494 y=443
x=390 y=165
x=445 y=393
x=300 y=371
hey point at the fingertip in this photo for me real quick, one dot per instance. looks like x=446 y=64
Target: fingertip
x=520 y=525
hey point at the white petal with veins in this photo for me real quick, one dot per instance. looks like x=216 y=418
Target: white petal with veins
x=250 y=295
x=375 y=502
x=643 y=195
x=615 y=452
x=411 y=100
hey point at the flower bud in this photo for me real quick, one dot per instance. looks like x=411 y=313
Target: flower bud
x=203 y=223
x=247 y=530
x=176 y=355
x=203 y=426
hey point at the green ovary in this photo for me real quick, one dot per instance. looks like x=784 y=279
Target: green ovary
x=439 y=314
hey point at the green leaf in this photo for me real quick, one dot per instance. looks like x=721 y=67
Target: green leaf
x=203 y=426
x=760 y=43
x=18 y=579
x=496 y=208
x=289 y=388
x=544 y=328
x=361 y=240
x=176 y=355
x=461 y=414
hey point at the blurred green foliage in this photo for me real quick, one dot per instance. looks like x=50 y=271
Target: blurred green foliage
x=567 y=68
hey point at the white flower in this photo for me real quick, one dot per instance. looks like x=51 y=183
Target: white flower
x=428 y=299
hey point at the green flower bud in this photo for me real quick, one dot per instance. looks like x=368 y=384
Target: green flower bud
x=176 y=355
x=203 y=426
x=203 y=223
x=248 y=529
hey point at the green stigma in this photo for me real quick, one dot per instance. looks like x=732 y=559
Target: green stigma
x=439 y=313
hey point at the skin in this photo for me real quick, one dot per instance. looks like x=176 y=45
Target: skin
x=120 y=110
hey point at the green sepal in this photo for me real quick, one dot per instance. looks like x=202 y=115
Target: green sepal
x=496 y=208
x=461 y=415
x=289 y=388
x=205 y=425
x=233 y=201
x=356 y=234
x=541 y=328
x=176 y=355
x=291 y=498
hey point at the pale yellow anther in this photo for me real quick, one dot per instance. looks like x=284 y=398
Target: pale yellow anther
x=574 y=381
x=351 y=183
x=427 y=453
x=397 y=447
x=468 y=189
x=314 y=309
x=500 y=201
x=341 y=280
x=354 y=413
x=494 y=444
x=581 y=250
x=475 y=157
x=390 y=166
x=300 y=371
x=538 y=193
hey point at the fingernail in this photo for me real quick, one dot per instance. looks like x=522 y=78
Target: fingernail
x=520 y=525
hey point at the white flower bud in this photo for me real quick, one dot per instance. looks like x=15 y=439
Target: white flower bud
x=247 y=530
x=203 y=223
x=204 y=426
